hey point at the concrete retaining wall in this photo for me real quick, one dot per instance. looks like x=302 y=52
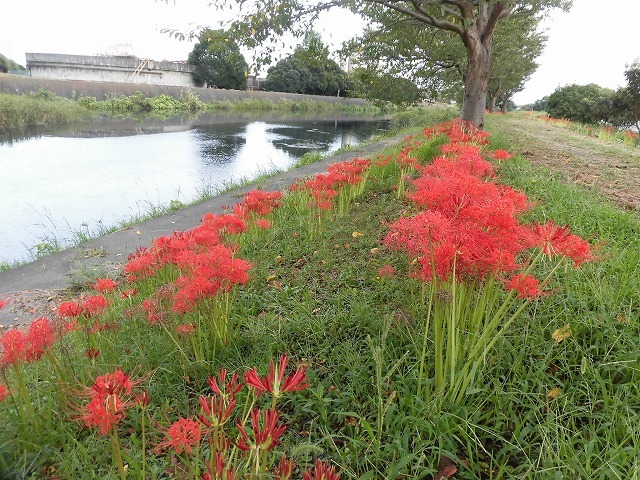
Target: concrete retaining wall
x=100 y=90
x=109 y=69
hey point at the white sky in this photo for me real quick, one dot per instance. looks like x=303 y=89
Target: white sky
x=591 y=44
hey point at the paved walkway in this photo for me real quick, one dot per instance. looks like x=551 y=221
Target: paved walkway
x=30 y=287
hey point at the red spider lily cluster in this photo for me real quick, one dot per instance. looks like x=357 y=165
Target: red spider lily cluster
x=93 y=305
x=19 y=346
x=215 y=428
x=468 y=226
x=109 y=398
x=4 y=392
x=325 y=187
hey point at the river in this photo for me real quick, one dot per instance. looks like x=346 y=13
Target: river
x=57 y=186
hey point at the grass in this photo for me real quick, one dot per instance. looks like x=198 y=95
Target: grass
x=540 y=409
x=22 y=113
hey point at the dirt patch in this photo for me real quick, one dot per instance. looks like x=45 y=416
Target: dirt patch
x=609 y=168
x=24 y=307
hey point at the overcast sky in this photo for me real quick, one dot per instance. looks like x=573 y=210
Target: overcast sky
x=591 y=44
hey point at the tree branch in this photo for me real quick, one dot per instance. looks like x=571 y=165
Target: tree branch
x=421 y=15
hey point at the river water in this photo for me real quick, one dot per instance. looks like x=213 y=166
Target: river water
x=95 y=176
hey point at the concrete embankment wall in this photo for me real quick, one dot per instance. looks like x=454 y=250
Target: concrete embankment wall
x=17 y=84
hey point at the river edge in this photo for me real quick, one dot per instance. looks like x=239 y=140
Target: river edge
x=34 y=289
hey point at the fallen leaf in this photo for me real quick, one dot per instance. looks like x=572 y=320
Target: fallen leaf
x=562 y=333
x=357 y=234
x=554 y=393
x=447 y=469
x=138 y=232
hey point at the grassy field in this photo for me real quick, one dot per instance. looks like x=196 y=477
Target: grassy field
x=407 y=378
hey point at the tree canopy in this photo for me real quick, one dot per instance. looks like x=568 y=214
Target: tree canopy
x=308 y=70
x=580 y=103
x=625 y=103
x=218 y=61
x=7 y=64
x=472 y=22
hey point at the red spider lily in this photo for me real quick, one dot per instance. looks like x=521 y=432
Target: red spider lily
x=70 y=309
x=263 y=223
x=386 y=271
x=18 y=346
x=273 y=383
x=285 y=469
x=104 y=412
x=258 y=202
x=94 y=305
x=556 y=240
x=220 y=385
x=4 y=392
x=216 y=410
x=116 y=383
x=183 y=435
x=142 y=399
x=527 y=286
x=129 y=293
x=263 y=439
x=230 y=224
x=3 y=303
x=92 y=353
x=185 y=329
x=104 y=285
x=321 y=471
x=221 y=471
x=501 y=155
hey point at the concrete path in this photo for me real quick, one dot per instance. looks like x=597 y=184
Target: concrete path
x=33 y=287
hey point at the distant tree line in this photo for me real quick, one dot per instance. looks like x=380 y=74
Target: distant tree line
x=7 y=64
x=594 y=104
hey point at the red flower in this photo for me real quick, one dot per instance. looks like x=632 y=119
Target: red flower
x=70 y=309
x=222 y=470
x=104 y=285
x=185 y=329
x=556 y=240
x=273 y=383
x=216 y=410
x=285 y=469
x=94 y=305
x=321 y=471
x=18 y=346
x=501 y=155
x=386 y=271
x=263 y=223
x=92 y=353
x=224 y=388
x=129 y=292
x=4 y=392
x=104 y=412
x=263 y=439
x=116 y=383
x=2 y=303
x=183 y=434
x=527 y=286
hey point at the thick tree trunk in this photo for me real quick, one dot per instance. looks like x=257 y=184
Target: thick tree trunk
x=476 y=81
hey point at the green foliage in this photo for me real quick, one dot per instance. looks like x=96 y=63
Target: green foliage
x=7 y=64
x=580 y=103
x=23 y=112
x=218 y=61
x=625 y=103
x=382 y=88
x=138 y=103
x=308 y=70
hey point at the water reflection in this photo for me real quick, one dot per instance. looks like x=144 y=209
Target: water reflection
x=58 y=185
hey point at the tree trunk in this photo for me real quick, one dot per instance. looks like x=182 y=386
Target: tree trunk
x=493 y=99
x=505 y=103
x=476 y=80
